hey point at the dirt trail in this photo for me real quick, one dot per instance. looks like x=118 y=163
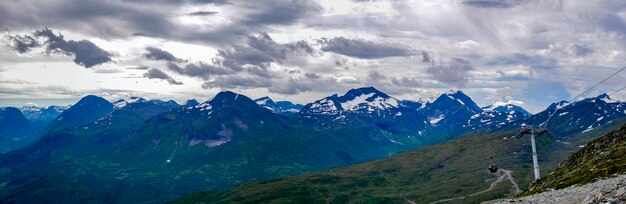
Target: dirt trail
x=504 y=175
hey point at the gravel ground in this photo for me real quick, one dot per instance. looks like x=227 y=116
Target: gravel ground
x=611 y=190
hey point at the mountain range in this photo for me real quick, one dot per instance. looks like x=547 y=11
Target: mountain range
x=137 y=150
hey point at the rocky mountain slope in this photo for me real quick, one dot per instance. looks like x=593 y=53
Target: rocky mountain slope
x=601 y=158
x=579 y=179
x=611 y=190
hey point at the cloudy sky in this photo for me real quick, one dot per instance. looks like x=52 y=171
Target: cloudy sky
x=535 y=52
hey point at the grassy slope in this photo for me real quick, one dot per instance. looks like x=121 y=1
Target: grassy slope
x=423 y=175
x=601 y=158
x=451 y=169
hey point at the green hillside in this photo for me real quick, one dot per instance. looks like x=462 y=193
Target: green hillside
x=454 y=169
x=601 y=158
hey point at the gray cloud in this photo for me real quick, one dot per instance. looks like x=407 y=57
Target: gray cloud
x=123 y=19
x=406 y=82
x=579 y=50
x=281 y=12
x=217 y=2
x=453 y=73
x=376 y=76
x=533 y=61
x=312 y=76
x=235 y=81
x=158 y=74
x=139 y=67
x=292 y=86
x=493 y=3
x=154 y=53
x=363 y=49
x=202 y=13
x=200 y=70
x=426 y=57
x=85 y=52
x=260 y=51
x=23 y=43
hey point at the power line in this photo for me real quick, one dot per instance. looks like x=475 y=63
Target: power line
x=545 y=124
x=624 y=87
x=594 y=86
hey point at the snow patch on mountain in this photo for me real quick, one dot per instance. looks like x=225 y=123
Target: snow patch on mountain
x=120 y=103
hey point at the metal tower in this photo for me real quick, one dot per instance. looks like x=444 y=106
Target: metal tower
x=533 y=132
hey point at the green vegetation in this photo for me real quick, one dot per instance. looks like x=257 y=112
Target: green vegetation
x=452 y=169
x=601 y=158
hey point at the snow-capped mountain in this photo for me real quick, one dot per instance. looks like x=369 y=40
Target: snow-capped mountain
x=362 y=100
x=451 y=110
x=579 y=116
x=120 y=103
x=279 y=107
x=35 y=113
x=498 y=115
x=367 y=107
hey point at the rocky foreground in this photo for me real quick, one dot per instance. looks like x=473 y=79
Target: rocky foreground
x=611 y=190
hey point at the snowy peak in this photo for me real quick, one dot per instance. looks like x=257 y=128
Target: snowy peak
x=457 y=98
x=498 y=114
x=367 y=100
x=120 y=103
x=453 y=106
x=371 y=91
x=511 y=107
x=580 y=116
x=35 y=113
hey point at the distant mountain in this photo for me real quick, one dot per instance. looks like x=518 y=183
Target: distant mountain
x=417 y=105
x=367 y=100
x=120 y=103
x=216 y=144
x=498 y=115
x=191 y=102
x=87 y=110
x=34 y=113
x=579 y=116
x=371 y=109
x=65 y=144
x=41 y=117
x=15 y=129
x=280 y=107
x=451 y=110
